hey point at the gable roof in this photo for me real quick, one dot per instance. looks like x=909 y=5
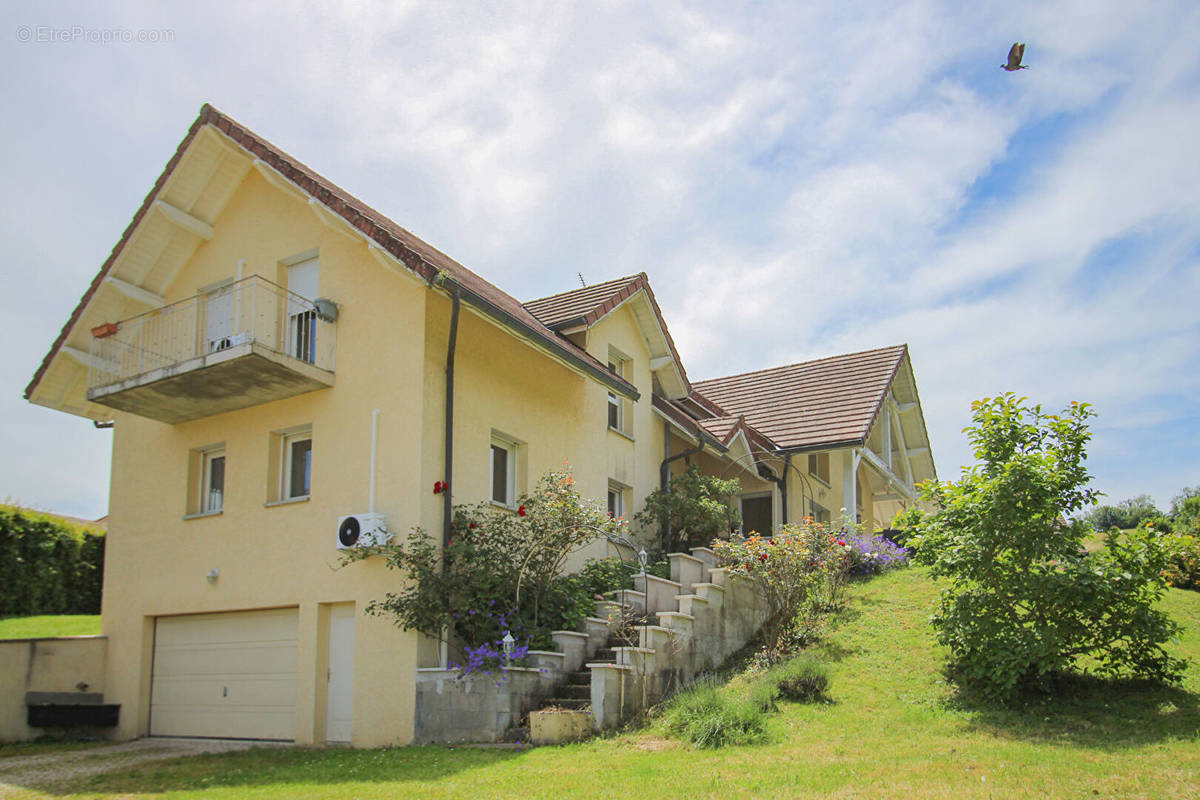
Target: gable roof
x=587 y=305
x=813 y=405
x=381 y=233
x=582 y=306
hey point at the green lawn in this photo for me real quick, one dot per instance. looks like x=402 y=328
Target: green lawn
x=894 y=729
x=52 y=625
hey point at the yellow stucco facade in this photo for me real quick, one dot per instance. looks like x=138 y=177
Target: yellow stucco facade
x=392 y=333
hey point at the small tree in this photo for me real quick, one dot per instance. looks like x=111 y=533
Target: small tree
x=1025 y=599
x=695 y=508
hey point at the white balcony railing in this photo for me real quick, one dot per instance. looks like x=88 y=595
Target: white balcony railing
x=252 y=311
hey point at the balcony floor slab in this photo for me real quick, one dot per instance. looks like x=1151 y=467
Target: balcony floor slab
x=239 y=377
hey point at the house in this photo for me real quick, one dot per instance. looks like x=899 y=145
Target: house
x=276 y=356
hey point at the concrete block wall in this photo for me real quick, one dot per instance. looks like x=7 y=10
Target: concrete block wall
x=45 y=665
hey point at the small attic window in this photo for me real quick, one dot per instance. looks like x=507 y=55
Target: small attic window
x=619 y=364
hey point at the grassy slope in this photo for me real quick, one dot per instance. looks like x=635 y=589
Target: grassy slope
x=51 y=625
x=894 y=730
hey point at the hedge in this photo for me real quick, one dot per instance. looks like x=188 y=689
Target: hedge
x=48 y=565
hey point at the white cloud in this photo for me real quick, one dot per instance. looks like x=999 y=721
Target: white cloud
x=797 y=179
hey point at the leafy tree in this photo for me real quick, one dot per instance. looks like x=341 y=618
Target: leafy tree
x=695 y=508
x=1185 y=512
x=1024 y=599
x=1125 y=514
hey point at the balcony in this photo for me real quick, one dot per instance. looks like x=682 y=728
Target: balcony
x=241 y=345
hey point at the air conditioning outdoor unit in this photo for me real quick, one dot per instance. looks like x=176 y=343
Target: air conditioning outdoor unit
x=362 y=530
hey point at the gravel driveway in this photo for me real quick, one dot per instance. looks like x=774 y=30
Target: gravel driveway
x=44 y=770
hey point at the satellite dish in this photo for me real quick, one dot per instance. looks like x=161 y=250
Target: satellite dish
x=327 y=310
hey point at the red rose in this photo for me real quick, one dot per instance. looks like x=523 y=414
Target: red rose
x=521 y=511
x=762 y=556
x=471 y=526
x=438 y=487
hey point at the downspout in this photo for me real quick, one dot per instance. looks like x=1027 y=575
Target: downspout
x=664 y=470
x=783 y=494
x=448 y=476
x=447 y=509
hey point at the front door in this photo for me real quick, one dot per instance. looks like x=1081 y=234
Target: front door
x=339 y=710
x=757 y=516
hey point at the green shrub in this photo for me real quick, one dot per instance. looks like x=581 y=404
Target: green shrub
x=1183 y=561
x=47 y=565
x=1185 y=512
x=763 y=694
x=803 y=679
x=694 y=510
x=905 y=525
x=706 y=717
x=1024 y=600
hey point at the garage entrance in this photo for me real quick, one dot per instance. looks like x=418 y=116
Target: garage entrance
x=229 y=676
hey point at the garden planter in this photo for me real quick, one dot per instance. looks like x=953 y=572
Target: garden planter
x=556 y=727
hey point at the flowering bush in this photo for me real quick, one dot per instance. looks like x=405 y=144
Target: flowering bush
x=800 y=570
x=496 y=574
x=871 y=555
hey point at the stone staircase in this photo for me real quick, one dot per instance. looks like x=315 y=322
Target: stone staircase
x=644 y=642
x=640 y=645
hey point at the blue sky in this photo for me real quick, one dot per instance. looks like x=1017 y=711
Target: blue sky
x=798 y=180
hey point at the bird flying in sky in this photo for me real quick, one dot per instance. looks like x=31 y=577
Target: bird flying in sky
x=1014 y=57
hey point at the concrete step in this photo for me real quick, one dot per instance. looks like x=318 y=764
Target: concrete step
x=584 y=676
x=581 y=692
x=570 y=703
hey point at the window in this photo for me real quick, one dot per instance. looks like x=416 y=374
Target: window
x=818 y=466
x=294 y=470
x=818 y=513
x=206 y=480
x=212 y=476
x=614 y=411
x=503 y=471
x=616 y=499
x=618 y=364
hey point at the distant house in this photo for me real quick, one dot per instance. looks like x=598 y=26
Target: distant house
x=277 y=356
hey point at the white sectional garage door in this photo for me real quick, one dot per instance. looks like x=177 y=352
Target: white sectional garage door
x=230 y=675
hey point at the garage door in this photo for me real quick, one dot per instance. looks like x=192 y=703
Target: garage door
x=229 y=675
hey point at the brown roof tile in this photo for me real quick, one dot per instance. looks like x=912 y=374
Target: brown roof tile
x=823 y=403
x=588 y=304
x=578 y=305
